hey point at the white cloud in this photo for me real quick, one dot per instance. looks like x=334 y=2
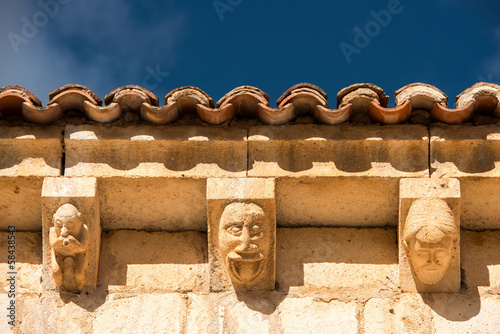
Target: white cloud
x=101 y=44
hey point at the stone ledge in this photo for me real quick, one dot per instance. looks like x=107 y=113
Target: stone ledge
x=148 y=151
x=345 y=150
x=29 y=152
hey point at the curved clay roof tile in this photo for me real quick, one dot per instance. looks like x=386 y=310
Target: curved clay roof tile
x=178 y=102
x=72 y=97
x=12 y=98
x=422 y=96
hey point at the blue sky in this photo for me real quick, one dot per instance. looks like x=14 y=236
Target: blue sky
x=219 y=45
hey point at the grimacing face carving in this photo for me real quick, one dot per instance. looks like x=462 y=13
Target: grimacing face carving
x=244 y=241
x=430 y=238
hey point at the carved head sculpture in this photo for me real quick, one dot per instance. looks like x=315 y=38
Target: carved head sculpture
x=244 y=240
x=430 y=238
x=68 y=221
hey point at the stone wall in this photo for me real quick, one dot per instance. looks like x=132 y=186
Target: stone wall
x=338 y=195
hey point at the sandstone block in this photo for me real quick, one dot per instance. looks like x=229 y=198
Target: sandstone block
x=28 y=257
x=231 y=313
x=29 y=152
x=429 y=235
x=48 y=313
x=345 y=150
x=305 y=315
x=27 y=155
x=471 y=154
x=347 y=262
x=149 y=151
x=407 y=314
x=241 y=233
x=153 y=204
x=141 y=313
x=480 y=260
x=138 y=261
x=337 y=202
x=71 y=233
x=465 y=314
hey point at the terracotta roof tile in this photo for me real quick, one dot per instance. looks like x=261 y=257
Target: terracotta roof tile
x=180 y=101
x=362 y=102
x=421 y=96
x=361 y=95
x=400 y=114
x=12 y=99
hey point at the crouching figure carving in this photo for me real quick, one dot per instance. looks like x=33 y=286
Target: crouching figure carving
x=430 y=240
x=69 y=243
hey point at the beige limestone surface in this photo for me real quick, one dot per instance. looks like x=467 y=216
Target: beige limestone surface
x=28 y=253
x=341 y=262
x=337 y=202
x=147 y=151
x=471 y=154
x=307 y=315
x=30 y=151
x=345 y=150
x=153 y=179
x=138 y=261
x=20 y=203
x=481 y=261
x=153 y=204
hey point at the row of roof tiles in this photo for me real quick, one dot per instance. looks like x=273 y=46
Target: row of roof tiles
x=250 y=102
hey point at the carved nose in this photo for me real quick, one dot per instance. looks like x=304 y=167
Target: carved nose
x=246 y=243
x=64 y=231
x=435 y=260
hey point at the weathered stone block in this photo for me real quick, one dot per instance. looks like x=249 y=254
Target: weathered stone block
x=344 y=150
x=305 y=315
x=27 y=155
x=153 y=204
x=337 y=202
x=71 y=233
x=241 y=233
x=408 y=314
x=429 y=235
x=141 y=313
x=465 y=151
x=49 y=313
x=471 y=154
x=138 y=261
x=28 y=258
x=29 y=152
x=481 y=260
x=231 y=313
x=465 y=314
x=149 y=151
x=347 y=262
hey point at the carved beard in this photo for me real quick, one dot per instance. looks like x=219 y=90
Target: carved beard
x=429 y=276
x=245 y=270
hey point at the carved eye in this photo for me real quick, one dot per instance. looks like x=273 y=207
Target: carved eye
x=441 y=255
x=58 y=224
x=235 y=229
x=255 y=229
x=422 y=254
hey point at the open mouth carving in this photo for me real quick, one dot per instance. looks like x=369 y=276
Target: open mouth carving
x=245 y=267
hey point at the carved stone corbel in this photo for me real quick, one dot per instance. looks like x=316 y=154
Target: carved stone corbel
x=241 y=233
x=71 y=234
x=429 y=235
